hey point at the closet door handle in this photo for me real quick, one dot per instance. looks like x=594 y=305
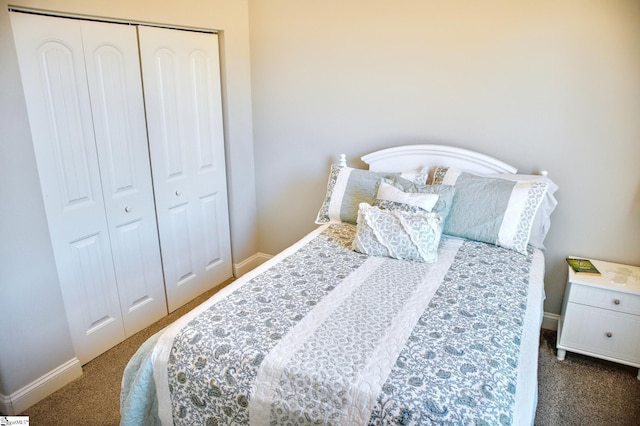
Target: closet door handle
x=609 y=334
x=178 y=193
x=127 y=209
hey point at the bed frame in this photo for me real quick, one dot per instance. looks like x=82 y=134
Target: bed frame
x=417 y=157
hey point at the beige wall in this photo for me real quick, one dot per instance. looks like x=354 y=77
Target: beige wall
x=539 y=84
x=33 y=329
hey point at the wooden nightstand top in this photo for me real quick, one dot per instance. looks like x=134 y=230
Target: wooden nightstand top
x=612 y=276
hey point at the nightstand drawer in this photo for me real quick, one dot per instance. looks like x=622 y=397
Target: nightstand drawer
x=607 y=299
x=601 y=331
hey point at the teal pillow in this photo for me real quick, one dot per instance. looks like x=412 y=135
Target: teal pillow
x=445 y=193
x=491 y=210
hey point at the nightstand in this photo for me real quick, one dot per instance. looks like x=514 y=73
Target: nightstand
x=601 y=314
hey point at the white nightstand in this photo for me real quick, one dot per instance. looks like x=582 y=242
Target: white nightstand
x=601 y=315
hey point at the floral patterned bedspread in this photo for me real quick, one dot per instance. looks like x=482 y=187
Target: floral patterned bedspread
x=330 y=336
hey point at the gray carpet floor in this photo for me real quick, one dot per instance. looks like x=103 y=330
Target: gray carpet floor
x=577 y=391
x=584 y=391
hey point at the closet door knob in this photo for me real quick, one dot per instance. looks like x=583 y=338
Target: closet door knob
x=178 y=192
x=616 y=301
x=609 y=334
x=127 y=209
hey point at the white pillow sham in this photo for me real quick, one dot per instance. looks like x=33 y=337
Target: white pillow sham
x=388 y=192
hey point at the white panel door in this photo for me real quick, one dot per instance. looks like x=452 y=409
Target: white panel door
x=113 y=73
x=51 y=62
x=181 y=76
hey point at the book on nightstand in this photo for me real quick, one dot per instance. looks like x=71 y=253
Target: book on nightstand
x=582 y=266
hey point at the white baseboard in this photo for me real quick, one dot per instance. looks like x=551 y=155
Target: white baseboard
x=40 y=388
x=5 y=405
x=550 y=321
x=239 y=269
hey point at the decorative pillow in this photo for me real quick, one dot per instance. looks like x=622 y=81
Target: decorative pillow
x=348 y=187
x=390 y=197
x=491 y=209
x=397 y=234
x=445 y=194
x=542 y=219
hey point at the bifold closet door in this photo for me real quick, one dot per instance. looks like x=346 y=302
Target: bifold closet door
x=181 y=75
x=113 y=72
x=86 y=114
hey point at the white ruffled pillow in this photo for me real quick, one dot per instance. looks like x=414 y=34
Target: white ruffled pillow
x=397 y=234
x=391 y=197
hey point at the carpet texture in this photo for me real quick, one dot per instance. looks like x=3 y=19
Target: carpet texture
x=577 y=391
x=583 y=390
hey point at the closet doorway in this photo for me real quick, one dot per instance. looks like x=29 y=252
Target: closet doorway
x=126 y=123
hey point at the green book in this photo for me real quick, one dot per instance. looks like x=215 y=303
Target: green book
x=582 y=266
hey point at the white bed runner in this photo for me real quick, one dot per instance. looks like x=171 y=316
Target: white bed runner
x=352 y=339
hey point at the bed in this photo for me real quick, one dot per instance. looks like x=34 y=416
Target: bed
x=417 y=300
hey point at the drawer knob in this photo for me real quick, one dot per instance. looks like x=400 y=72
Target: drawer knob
x=127 y=209
x=616 y=301
x=609 y=334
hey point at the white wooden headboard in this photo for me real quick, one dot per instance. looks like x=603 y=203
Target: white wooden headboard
x=417 y=157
